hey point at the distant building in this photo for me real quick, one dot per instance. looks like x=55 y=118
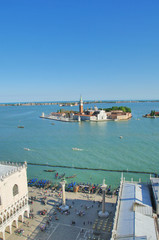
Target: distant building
x=13 y=195
x=119 y=115
x=134 y=218
x=81 y=106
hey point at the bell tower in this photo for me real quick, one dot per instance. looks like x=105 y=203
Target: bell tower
x=81 y=105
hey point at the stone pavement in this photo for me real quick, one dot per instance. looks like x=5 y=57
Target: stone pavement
x=83 y=214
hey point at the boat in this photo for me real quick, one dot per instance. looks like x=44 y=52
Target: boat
x=52 y=123
x=62 y=176
x=121 y=137
x=71 y=176
x=49 y=170
x=27 y=149
x=77 y=149
x=20 y=126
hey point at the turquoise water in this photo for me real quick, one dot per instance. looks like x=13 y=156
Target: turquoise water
x=102 y=147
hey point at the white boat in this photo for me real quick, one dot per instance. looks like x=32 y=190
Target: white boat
x=77 y=149
x=121 y=137
x=27 y=149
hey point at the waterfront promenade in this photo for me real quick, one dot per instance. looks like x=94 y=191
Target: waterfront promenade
x=81 y=223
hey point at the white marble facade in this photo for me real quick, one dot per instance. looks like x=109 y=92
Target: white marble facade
x=13 y=195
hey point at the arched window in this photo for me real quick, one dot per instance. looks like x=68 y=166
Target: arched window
x=15 y=190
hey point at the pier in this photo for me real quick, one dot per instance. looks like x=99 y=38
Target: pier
x=94 y=169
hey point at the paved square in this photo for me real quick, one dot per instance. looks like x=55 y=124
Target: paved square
x=83 y=212
x=65 y=232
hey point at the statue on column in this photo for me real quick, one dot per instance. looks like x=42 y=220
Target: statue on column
x=63 y=207
x=103 y=213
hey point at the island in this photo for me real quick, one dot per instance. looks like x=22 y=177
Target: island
x=96 y=115
x=152 y=114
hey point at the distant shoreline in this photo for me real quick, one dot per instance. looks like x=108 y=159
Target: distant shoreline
x=68 y=103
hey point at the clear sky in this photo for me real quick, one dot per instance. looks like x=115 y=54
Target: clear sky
x=59 y=49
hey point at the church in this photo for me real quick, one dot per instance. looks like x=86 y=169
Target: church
x=90 y=114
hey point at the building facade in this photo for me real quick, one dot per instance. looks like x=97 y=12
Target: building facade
x=13 y=195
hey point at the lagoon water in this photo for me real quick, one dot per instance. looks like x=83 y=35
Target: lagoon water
x=102 y=147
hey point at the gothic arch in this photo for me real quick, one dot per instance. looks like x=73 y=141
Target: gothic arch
x=8 y=215
x=14 y=210
x=11 y=212
x=20 y=218
x=4 y=218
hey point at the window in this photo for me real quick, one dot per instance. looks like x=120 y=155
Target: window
x=15 y=190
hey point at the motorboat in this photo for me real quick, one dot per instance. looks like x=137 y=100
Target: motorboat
x=27 y=149
x=77 y=149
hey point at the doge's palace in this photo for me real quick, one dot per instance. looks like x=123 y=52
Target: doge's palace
x=13 y=195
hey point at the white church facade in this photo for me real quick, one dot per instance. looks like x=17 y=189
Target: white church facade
x=13 y=195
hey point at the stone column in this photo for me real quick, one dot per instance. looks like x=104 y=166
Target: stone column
x=103 y=213
x=10 y=229
x=63 y=207
x=3 y=235
x=16 y=222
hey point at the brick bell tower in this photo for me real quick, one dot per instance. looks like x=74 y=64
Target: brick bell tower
x=81 y=105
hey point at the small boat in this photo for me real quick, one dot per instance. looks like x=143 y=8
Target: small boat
x=62 y=176
x=77 y=149
x=27 y=149
x=20 y=126
x=121 y=137
x=49 y=170
x=71 y=176
x=52 y=123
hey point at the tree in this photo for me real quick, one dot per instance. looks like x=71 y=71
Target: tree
x=152 y=113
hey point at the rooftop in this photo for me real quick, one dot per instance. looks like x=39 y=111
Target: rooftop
x=135 y=219
x=5 y=169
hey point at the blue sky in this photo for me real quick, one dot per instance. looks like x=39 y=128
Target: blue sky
x=56 y=50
